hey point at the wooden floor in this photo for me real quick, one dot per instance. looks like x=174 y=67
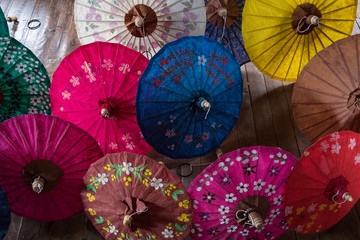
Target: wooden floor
x=265 y=119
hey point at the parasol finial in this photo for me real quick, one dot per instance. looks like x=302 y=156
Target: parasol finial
x=127 y=220
x=347 y=197
x=312 y=20
x=219 y=152
x=105 y=110
x=38 y=184
x=12 y=19
x=139 y=21
x=222 y=12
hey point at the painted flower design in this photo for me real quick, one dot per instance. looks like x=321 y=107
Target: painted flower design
x=208 y=197
x=258 y=184
x=230 y=197
x=274 y=213
x=223 y=209
x=86 y=67
x=202 y=60
x=113 y=230
x=113 y=146
x=357 y=159
x=75 y=81
x=213 y=231
x=29 y=77
x=244 y=232
x=188 y=16
x=278 y=200
x=324 y=146
x=196 y=229
x=249 y=169
x=268 y=221
x=66 y=95
x=334 y=137
x=224 y=220
x=232 y=228
x=102 y=178
x=170 y=133
x=33 y=89
x=127 y=168
x=243 y=187
x=335 y=148
x=21 y=67
x=130 y=145
x=223 y=166
x=91 y=77
x=204 y=217
x=126 y=137
x=32 y=110
x=205 y=136
x=124 y=68
x=273 y=171
x=8 y=59
x=352 y=143
x=107 y=64
x=312 y=207
x=299 y=228
x=224 y=179
x=156 y=183
x=35 y=101
x=270 y=190
x=188 y=139
x=167 y=233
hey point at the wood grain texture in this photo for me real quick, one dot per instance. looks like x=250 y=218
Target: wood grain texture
x=265 y=119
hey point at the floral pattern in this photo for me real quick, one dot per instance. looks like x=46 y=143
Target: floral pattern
x=217 y=199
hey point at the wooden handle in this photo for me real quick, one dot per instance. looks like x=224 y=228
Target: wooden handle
x=38 y=184
x=256 y=220
x=11 y=19
x=312 y=19
x=127 y=220
x=219 y=153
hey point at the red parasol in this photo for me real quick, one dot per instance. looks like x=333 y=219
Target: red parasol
x=43 y=160
x=129 y=196
x=324 y=185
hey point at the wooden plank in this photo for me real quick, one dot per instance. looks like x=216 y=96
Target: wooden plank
x=281 y=115
x=29 y=229
x=265 y=131
x=14 y=227
x=245 y=125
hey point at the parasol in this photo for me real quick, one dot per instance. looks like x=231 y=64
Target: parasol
x=3 y=24
x=323 y=187
x=95 y=88
x=240 y=195
x=129 y=196
x=224 y=24
x=127 y=22
x=5 y=216
x=24 y=83
x=325 y=98
x=282 y=36
x=43 y=160
x=189 y=97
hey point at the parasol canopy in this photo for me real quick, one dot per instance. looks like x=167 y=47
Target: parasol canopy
x=324 y=185
x=224 y=24
x=24 y=83
x=240 y=195
x=94 y=87
x=326 y=96
x=129 y=196
x=144 y=26
x=4 y=29
x=282 y=36
x=189 y=97
x=43 y=160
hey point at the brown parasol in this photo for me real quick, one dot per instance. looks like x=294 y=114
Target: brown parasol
x=326 y=96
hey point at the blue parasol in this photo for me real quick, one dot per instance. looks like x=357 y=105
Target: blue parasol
x=224 y=24
x=3 y=24
x=189 y=97
x=5 y=216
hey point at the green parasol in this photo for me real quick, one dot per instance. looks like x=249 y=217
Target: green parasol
x=24 y=83
x=3 y=24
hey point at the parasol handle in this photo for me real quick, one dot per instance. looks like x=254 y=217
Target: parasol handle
x=12 y=19
x=139 y=22
x=38 y=184
x=347 y=197
x=312 y=20
x=219 y=152
x=251 y=217
x=222 y=12
x=105 y=110
x=127 y=220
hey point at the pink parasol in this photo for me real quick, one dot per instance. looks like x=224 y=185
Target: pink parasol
x=95 y=88
x=240 y=195
x=43 y=161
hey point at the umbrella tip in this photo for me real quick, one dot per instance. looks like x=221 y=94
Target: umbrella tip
x=38 y=184
x=127 y=220
x=347 y=197
x=219 y=152
x=222 y=12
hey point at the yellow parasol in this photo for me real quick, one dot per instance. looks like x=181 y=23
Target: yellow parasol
x=282 y=36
